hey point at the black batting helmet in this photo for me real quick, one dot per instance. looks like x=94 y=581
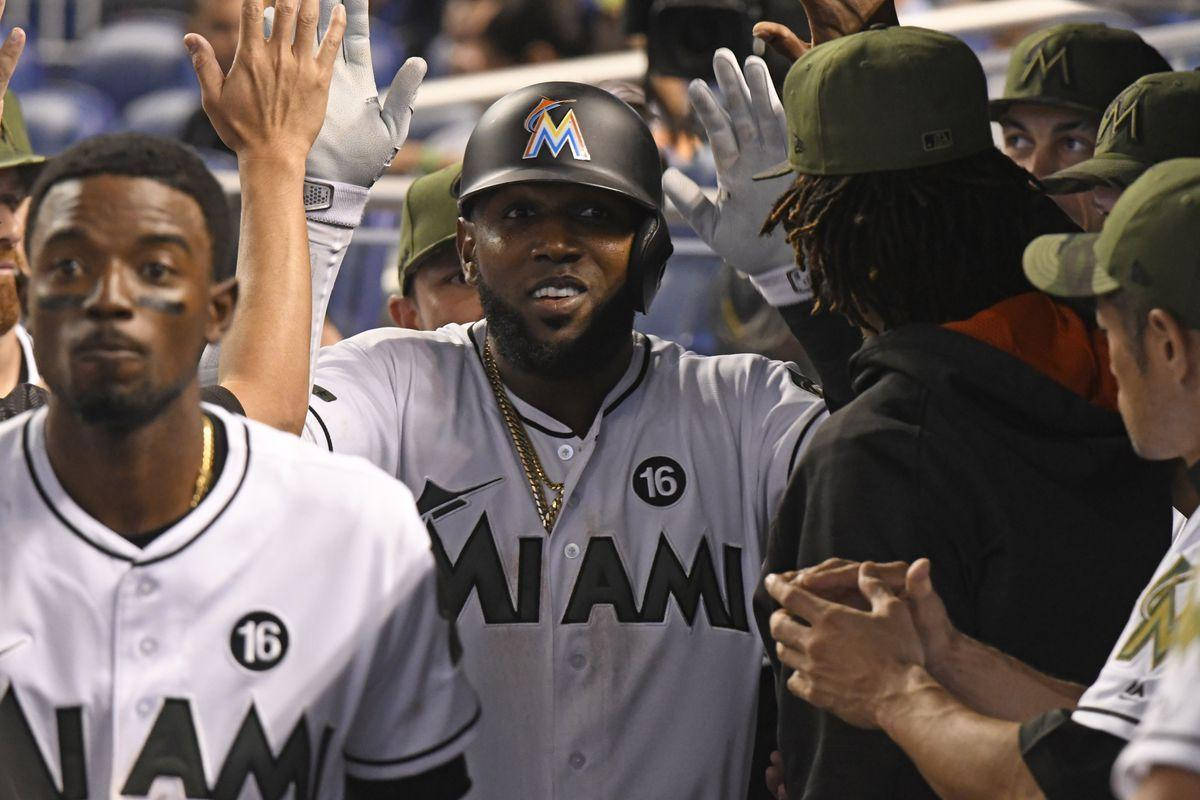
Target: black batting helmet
x=574 y=133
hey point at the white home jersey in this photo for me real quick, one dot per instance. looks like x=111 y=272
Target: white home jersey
x=1170 y=734
x=1116 y=702
x=615 y=657
x=280 y=636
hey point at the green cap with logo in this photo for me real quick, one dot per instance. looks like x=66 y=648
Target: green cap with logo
x=1078 y=66
x=1148 y=245
x=1155 y=119
x=884 y=99
x=430 y=218
x=15 y=149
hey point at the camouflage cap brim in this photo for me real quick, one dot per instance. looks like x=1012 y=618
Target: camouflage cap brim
x=1107 y=169
x=999 y=107
x=777 y=171
x=1065 y=265
x=18 y=160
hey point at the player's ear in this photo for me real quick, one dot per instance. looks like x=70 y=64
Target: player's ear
x=403 y=312
x=222 y=300
x=465 y=243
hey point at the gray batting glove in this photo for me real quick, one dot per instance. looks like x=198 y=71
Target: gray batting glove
x=360 y=136
x=748 y=135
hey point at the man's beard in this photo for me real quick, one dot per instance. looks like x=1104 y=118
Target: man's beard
x=611 y=323
x=122 y=409
x=10 y=303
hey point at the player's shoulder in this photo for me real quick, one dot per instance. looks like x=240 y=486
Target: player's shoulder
x=389 y=344
x=734 y=372
x=11 y=434
x=311 y=471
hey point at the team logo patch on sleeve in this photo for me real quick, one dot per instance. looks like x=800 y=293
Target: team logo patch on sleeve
x=545 y=132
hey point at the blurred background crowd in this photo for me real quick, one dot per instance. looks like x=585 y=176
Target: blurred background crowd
x=108 y=65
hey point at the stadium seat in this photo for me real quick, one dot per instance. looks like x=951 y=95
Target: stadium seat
x=64 y=112
x=134 y=57
x=164 y=112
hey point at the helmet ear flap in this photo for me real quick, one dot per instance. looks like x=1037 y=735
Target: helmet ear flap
x=648 y=259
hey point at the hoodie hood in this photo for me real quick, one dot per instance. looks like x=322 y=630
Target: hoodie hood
x=985 y=377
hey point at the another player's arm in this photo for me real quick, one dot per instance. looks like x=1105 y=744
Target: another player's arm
x=268 y=111
x=867 y=667
x=986 y=680
x=1169 y=783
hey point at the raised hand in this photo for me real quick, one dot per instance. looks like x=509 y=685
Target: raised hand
x=10 y=54
x=360 y=136
x=273 y=101
x=748 y=134
x=827 y=20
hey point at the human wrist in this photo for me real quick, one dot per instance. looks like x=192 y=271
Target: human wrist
x=333 y=202
x=899 y=692
x=270 y=162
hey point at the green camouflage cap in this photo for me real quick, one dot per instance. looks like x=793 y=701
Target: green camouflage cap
x=15 y=149
x=1155 y=119
x=1149 y=245
x=430 y=218
x=884 y=99
x=1080 y=66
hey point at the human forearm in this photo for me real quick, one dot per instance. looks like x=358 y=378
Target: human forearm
x=265 y=356
x=962 y=754
x=1169 y=783
x=998 y=685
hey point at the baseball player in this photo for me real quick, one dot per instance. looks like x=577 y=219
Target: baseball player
x=164 y=540
x=978 y=722
x=433 y=290
x=1058 y=84
x=597 y=499
x=170 y=621
x=1155 y=119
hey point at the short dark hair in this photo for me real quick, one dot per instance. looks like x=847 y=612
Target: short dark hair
x=137 y=155
x=930 y=244
x=1134 y=307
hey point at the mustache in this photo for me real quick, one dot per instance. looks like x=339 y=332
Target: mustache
x=108 y=339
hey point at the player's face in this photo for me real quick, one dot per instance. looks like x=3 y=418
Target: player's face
x=12 y=253
x=1144 y=391
x=121 y=301
x=551 y=262
x=438 y=294
x=1044 y=140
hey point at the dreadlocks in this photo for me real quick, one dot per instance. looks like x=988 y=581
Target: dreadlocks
x=931 y=244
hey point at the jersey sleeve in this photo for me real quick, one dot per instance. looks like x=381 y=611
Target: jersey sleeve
x=354 y=404
x=1068 y=761
x=786 y=411
x=417 y=713
x=1170 y=734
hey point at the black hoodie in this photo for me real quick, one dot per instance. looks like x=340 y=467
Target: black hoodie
x=1041 y=524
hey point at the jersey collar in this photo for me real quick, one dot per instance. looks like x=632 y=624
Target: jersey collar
x=179 y=536
x=633 y=378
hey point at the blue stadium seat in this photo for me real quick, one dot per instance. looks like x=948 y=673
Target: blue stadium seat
x=134 y=57
x=164 y=112
x=61 y=113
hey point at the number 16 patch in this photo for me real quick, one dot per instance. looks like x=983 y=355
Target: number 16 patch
x=659 y=481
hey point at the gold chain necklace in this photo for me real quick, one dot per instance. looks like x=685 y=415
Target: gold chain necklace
x=535 y=476
x=204 y=477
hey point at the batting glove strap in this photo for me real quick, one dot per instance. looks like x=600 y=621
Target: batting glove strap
x=334 y=203
x=784 y=286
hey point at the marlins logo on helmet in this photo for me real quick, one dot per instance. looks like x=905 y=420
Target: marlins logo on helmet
x=543 y=131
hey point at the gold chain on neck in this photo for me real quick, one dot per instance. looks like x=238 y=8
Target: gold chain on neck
x=535 y=476
x=204 y=477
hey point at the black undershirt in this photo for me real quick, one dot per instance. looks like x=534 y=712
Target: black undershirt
x=220 y=451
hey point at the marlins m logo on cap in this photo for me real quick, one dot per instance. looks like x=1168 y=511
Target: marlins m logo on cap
x=544 y=132
x=1044 y=64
